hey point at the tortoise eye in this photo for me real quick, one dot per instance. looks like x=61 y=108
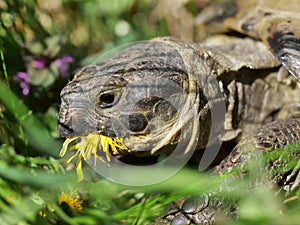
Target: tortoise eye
x=106 y=100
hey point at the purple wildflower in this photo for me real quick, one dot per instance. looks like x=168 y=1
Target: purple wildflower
x=63 y=65
x=23 y=79
x=39 y=64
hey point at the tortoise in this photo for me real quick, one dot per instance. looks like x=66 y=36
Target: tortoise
x=159 y=93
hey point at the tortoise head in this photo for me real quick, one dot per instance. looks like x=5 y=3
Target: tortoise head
x=138 y=95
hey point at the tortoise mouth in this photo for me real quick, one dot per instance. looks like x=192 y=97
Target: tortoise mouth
x=65 y=131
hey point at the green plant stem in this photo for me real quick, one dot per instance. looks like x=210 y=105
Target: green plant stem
x=34 y=130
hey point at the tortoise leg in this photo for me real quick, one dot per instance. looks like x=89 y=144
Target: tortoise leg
x=210 y=208
x=270 y=137
x=283 y=37
x=204 y=209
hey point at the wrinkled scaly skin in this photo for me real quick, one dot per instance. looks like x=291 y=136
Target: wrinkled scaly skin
x=248 y=156
x=276 y=23
x=159 y=92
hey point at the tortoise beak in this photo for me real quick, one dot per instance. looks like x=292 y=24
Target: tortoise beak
x=64 y=126
x=68 y=126
x=64 y=130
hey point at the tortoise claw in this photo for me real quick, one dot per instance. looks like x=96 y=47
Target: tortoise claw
x=286 y=46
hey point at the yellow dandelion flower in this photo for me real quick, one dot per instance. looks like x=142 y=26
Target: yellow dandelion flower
x=89 y=146
x=72 y=200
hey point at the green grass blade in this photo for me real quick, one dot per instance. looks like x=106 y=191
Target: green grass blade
x=38 y=137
